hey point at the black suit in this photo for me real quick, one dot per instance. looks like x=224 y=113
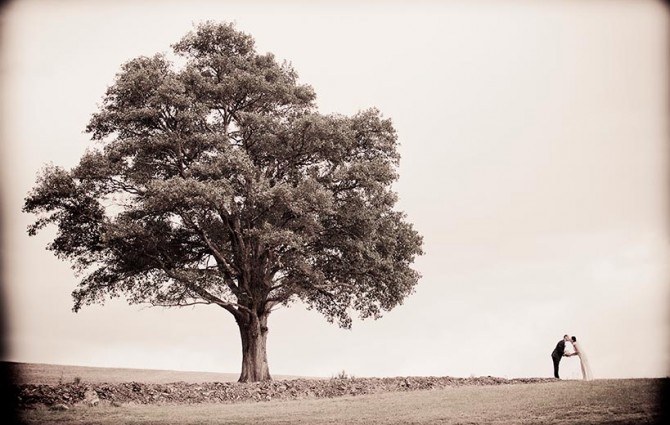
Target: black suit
x=557 y=355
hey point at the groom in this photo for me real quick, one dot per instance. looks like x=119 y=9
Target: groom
x=558 y=354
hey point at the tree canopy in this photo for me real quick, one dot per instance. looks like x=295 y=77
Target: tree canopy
x=219 y=182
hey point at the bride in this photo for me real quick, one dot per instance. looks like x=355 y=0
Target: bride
x=586 y=370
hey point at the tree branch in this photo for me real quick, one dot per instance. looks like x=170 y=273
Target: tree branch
x=188 y=304
x=218 y=256
x=230 y=306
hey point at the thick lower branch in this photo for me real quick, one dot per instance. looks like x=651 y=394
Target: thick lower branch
x=233 y=308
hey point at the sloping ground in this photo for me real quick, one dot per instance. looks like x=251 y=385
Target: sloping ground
x=37 y=373
x=30 y=395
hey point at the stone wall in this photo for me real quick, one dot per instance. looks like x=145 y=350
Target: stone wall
x=69 y=394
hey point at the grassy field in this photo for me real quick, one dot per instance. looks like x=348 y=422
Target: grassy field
x=36 y=373
x=633 y=401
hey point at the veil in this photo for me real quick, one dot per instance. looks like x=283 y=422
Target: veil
x=583 y=359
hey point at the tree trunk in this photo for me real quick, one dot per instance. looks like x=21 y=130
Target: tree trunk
x=254 y=334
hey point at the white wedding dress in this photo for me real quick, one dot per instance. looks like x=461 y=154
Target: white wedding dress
x=584 y=362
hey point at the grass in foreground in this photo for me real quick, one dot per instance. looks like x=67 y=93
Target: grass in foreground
x=564 y=402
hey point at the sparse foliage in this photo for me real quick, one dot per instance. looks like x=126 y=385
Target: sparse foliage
x=343 y=375
x=220 y=183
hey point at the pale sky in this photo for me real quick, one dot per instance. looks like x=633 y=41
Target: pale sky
x=534 y=162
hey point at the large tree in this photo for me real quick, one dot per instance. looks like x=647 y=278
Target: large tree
x=218 y=182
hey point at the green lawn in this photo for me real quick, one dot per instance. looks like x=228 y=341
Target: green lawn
x=632 y=401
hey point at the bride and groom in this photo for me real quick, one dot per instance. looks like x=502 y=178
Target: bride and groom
x=560 y=352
